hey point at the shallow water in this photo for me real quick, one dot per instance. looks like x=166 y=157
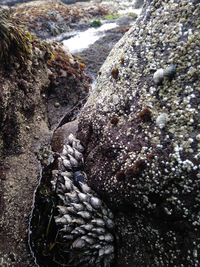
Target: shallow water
x=129 y=10
x=86 y=38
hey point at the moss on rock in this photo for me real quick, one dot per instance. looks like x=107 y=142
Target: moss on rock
x=15 y=43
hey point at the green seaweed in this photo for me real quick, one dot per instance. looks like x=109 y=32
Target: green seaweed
x=95 y=23
x=15 y=42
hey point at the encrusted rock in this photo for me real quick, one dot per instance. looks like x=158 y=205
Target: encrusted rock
x=156 y=205
x=81 y=224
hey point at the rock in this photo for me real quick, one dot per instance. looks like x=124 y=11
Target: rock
x=13 y=2
x=138 y=3
x=48 y=18
x=26 y=89
x=69 y=1
x=60 y=135
x=149 y=175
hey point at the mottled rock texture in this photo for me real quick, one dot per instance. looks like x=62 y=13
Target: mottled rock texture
x=48 y=18
x=143 y=141
x=26 y=88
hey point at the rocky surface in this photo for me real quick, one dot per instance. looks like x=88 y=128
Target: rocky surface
x=138 y=3
x=25 y=131
x=96 y=54
x=48 y=18
x=56 y=21
x=140 y=128
x=12 y=2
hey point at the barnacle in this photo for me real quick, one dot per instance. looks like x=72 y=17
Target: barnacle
x=158 y=76
x=83 y=224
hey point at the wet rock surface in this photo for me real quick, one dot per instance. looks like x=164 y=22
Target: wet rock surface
x=96 y=54
x=25 y=134
x=140 y=128
x=51 y=18
x=57 y=21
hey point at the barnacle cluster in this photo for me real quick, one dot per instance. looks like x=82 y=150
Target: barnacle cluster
x=85 y=223
x=14 y=41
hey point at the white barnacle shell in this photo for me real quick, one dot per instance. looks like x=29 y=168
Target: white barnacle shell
x=68 y=184
x=69 y=150
x=53 y=184
x=84 y=214
x=71 y=210
x=61 y=220
x=64 y=151
x=77 y=206
x=77 y=145
x=68 y=218
x=89 y=240
x=95 y=235
x=78 y=243
x=72 y=196
x=158 y=76
x=96 y=246
x=79 y=231
x=71 y=138
x=95 y=202
x=67 y=164
x=88 y=206
x=85 y=188
x=99 y=230
x=88 y=227
x=109 y=237
x=109 y=249
x=79 y=221
x=83 y=197
x=62 y=209
x=67 y=174
x=161 y=120
x=101 y=252
x=75 y=233
x=62 y=198
x=98 y=222
x=78 y=155
x=83 y=221
x=106 y=250
x=73 y=161
x=101 y=237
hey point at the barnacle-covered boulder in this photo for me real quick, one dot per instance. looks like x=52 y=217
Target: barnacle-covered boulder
x=141 y=131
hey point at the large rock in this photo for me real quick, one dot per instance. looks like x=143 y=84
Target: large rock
x=140 y=128
x=30 y=89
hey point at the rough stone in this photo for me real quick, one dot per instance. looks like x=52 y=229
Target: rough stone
x=149 y=175
x=25 y=135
